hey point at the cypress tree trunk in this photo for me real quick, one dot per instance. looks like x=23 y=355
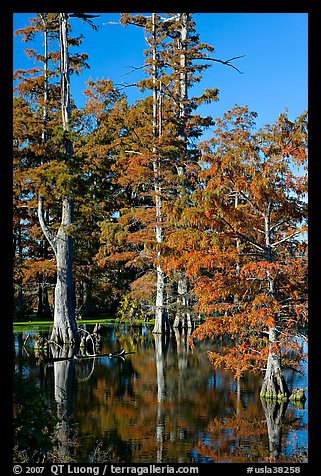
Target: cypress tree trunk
x=43 y=301
x=182 y=317
x=65 y=326
x=274 y=385
x=161 y=318
x=20 y=311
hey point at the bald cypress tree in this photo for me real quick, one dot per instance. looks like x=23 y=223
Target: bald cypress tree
x=164 y=144
x=53 y=174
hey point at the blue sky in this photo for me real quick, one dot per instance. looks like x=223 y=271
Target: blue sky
x=275 y=65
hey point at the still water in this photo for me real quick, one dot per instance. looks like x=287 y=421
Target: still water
x=162 y=402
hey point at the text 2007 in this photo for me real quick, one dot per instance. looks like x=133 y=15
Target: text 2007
x=34 y=469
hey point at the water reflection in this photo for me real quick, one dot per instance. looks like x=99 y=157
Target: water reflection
x=163 y=403
x=171 y=368
x=274 y=414
x=64 y=384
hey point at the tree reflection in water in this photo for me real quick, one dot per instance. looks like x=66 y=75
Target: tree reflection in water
x=64 y=382
x=161 y=348
x=274 y=413
x=164 y=403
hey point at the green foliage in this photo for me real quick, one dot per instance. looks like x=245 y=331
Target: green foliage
x=130 y=309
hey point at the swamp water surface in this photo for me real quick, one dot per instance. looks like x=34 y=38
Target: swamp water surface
x=162 y=403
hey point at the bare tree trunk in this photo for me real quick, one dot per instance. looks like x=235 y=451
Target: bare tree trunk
x=182 y=317
x=20 y=303
x=161 y=318
x=43 y=301
x=274 y=385
x=65 y=327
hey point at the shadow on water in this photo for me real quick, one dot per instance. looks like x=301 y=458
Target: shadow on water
x=161 y=403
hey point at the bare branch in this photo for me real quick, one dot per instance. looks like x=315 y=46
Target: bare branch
x=259 y=230
x=83 y=15
x=303 y=337
x=254 y=350
x=287 y=238
x=124 y=85
x=173 y=18
x=134 y=68
x=51 y=239
x=133 y=152
x=244 y=237
x=277 y=224
x=226 y=62
x=251 y=203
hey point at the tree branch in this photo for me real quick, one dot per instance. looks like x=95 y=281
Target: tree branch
x=51 y=239
x=251 y=203
x=244 y=237
x=277 y=224
x=133 y=152
x=287 y=238
x=85 y=17
x=226 y=62
x=134 y=68
x=121 y=86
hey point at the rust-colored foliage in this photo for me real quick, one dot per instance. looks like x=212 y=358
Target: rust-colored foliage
x=243 y=239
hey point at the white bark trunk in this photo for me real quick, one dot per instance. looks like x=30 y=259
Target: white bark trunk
x=65 y=326
x=64 y=71
x=274 y=385
x=161 y=319
x=182 y=316
x=43 y=301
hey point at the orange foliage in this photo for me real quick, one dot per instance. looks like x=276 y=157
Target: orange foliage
x=241 y=242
